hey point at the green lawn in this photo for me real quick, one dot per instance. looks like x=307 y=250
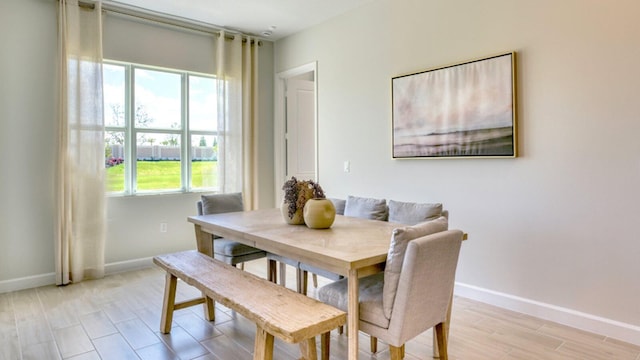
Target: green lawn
x=164 y=175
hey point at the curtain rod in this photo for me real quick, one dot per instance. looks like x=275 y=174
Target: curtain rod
x=166 y=19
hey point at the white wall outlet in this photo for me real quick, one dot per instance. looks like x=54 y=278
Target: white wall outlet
x=163 y=227
x=347 y=166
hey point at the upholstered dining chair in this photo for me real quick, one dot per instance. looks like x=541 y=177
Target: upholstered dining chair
x=412 y=294
x=228 y=251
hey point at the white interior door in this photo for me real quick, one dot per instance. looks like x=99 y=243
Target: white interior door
x=300 y=129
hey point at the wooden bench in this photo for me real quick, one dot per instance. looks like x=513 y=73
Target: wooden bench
x=276 y=310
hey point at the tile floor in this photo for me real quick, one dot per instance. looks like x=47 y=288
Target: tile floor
x=118 y=318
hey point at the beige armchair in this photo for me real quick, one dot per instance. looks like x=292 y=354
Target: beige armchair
x=399 y=311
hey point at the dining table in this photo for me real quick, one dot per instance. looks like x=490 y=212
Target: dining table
x=351 y=247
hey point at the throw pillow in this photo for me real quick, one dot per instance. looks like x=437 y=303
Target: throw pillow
x=366 y=208
x=412 y=213
x=399 y=240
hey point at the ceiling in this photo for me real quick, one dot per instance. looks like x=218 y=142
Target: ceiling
x=253 y=17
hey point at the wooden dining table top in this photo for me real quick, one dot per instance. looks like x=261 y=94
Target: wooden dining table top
x=350 y=243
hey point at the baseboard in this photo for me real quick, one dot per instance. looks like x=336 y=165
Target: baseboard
x=121 y=266
x=576 y=319
x=29 y=282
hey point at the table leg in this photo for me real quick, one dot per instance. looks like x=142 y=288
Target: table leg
x=353 y=312
x=203 y=241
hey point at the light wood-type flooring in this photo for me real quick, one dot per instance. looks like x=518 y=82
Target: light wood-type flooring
x=118 y=318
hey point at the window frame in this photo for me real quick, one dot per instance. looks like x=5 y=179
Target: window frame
x=131 y=131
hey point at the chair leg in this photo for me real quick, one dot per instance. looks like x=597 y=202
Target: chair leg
x=305 y=282
x=315 y=280
x=395 y=352
x=301 y=276
x=341 y=329
x=283 y=274
x=442 y=340
x=241 y=266
x=374 y=344
x=446 y=327
x=272 y=271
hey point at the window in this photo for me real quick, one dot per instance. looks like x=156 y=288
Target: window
x=160 y=129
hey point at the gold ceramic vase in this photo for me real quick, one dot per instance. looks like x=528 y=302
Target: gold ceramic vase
x=319 y=213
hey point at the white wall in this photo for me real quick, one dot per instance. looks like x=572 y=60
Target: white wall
x=28 y=36
x=27 y=137
x=554 y=228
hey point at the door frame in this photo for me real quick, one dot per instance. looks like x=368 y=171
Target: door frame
x=279 y=123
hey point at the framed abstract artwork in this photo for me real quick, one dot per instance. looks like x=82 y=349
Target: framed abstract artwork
x=465 y=110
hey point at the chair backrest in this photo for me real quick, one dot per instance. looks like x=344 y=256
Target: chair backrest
x=396 y=211
x=413 y=213
x=339 y=205
x=425 y=285
x=366 y=208
x=220 y=203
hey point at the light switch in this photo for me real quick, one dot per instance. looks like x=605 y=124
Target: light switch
x=347 y=166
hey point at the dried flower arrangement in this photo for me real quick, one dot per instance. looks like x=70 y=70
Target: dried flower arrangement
x=297 y=192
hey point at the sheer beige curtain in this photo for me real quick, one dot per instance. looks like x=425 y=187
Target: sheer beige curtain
x=80 y=225
x=237 y=64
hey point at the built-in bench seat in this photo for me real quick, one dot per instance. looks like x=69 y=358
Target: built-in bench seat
x=276 y=310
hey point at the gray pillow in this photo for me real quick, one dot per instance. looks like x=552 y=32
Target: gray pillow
x=399 y=240
x=366 y=208
x=221 y=203
x=412 y=213
x=339 y=205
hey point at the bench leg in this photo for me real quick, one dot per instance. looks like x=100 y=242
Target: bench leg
x=209 y=308
x=325 y=345
x=168 y=303
x=308 y=349
x=263 y=348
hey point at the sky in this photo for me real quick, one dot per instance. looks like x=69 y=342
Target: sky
x=159 y=93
